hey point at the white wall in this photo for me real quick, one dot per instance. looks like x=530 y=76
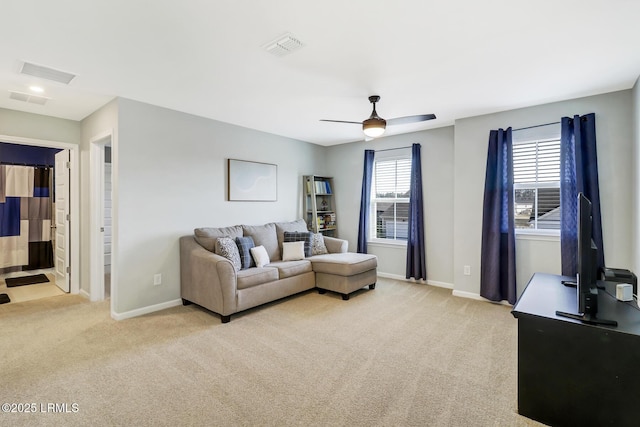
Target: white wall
x=635 y=155
x=345 y=164
x=171 y=173
x=614 y=139
x=29 y=125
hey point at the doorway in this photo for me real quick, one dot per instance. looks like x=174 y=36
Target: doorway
x=101 y=217
x=64 y=277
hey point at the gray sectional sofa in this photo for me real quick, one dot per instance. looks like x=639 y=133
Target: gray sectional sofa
x=217 y=283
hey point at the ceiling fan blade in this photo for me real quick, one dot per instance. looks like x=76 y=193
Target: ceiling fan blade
x=410 y=119
x=340 y=121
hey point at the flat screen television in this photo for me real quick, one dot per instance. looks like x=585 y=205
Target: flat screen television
x=587 y=274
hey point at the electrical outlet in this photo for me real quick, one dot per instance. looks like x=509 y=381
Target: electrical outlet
x=157 y=279
x=467 y=270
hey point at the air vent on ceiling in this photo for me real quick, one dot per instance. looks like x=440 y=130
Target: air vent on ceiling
x=27 y=97
x=283 y=45
x=46 y=73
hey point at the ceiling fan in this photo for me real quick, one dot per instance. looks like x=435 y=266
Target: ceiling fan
x=375 y=125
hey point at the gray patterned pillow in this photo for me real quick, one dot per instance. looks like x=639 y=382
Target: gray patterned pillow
x=226 y=247
x=244 y=245
x=317 y=244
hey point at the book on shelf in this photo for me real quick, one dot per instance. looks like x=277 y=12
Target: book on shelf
x=322 y=187
x=330 y=220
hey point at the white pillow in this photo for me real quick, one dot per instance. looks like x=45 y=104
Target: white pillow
x=260 y=256
x=292 y=251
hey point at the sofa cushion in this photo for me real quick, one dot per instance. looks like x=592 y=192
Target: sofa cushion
x=260 y=256
x=226 y=247
x=292 y=251
x=317 y=244
x=291 y=268
x=298 y=225
x=264 y=235
x=335 y=245
x=207 y=236
x=344 y=264
x=244 y=246
x=256 y=276
x=297 y=236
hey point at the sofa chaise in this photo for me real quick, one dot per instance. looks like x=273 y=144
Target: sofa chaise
x=291 y=260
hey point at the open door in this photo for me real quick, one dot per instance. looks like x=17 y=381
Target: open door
x=61 y=248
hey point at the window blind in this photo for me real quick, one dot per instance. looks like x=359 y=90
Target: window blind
x=536 y=162
x=392 y=178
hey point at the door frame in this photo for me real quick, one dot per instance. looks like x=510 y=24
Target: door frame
x=74 y=194
x=97 y=145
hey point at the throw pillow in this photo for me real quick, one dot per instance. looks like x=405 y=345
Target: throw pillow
x=226 y=247
x=244 y=245
x=260 y=256
x=264 y=235
x=317 y=244
x=281 y=227
x=292 y=251
x=296 y=236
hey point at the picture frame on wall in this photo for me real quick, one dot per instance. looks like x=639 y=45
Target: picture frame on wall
x=251 y=181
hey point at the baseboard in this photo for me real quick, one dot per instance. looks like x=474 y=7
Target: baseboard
x=455 y=293
x=427 y=282
x=85 y=294
x=145 y=310
x=471 y=295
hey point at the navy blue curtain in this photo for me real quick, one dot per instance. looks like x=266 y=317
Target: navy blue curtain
x=365 y=200
x=416 y=266
x=498 y=258
x=578 y=173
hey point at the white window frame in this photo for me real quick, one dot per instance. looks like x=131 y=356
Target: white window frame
x=541 y=134
x=383 y=156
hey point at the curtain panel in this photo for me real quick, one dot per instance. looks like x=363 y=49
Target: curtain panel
x=365 y=201
x=498 y=257
x=578 y=174
x=416 y=265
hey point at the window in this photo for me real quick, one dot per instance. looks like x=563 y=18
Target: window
x=536 y=173
x=390 y=198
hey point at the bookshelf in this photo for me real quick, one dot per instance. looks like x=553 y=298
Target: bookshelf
x=319 y=204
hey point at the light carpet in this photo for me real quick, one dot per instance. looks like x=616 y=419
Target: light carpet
x=403 y=354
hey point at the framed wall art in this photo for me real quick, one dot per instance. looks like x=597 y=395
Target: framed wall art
x=252 y=181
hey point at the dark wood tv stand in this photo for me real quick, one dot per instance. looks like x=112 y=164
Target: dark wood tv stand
x=572 y=373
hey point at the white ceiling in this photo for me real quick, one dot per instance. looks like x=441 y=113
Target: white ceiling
x=454 y=58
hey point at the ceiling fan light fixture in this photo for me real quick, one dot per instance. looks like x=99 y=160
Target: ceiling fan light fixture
x=374 y=127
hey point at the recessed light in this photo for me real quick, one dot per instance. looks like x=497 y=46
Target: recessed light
x=37 y=89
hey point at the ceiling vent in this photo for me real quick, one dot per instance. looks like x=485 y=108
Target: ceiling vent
x=27 y=97
x=283 y=45
x=46 y=73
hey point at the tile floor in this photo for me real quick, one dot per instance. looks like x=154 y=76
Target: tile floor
x=30 y=292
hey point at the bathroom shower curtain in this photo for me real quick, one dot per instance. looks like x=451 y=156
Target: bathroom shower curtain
x=25 y=217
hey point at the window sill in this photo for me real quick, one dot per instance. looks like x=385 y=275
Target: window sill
x=546 y=236
x=398 y=244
